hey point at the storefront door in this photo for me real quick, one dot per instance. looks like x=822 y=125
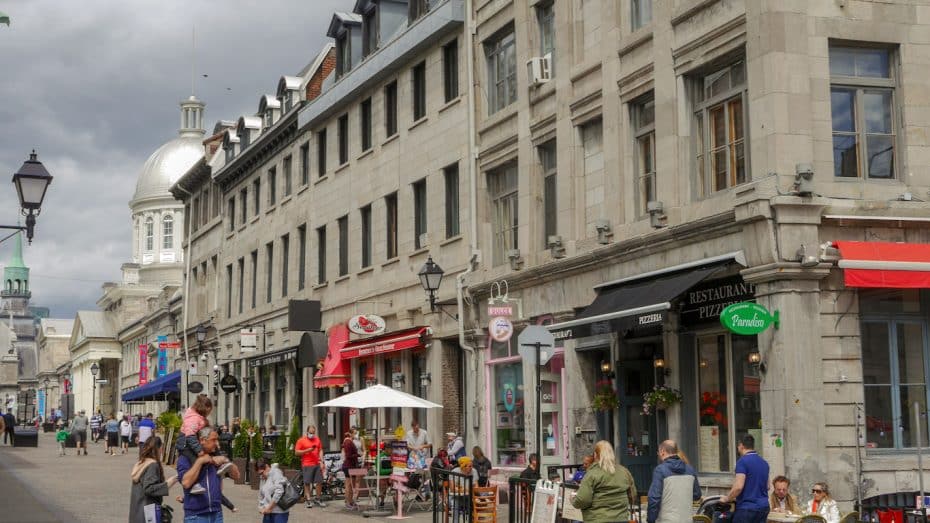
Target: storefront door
x=636 y=445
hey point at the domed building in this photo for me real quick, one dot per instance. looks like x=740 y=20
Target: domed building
x=135 y=315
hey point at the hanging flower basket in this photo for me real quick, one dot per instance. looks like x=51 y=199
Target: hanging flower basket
x=605 y=397
x=660 y=398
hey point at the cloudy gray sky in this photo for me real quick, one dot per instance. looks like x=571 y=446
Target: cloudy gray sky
x=94 y=87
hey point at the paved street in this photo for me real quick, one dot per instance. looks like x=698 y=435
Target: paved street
x=38 y=487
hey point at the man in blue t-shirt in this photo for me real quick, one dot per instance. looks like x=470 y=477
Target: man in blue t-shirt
x=205 y=507
x=751 y=487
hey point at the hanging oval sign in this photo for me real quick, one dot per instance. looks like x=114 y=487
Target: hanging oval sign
x=500 y=329
x=748 y=318
x=366 y=324
x=195 y=387
x=229 y=383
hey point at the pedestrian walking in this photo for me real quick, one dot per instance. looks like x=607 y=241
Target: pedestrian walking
x=607 y=491
x=270 y=490
x=9 y=431
x=149 y=485
x=146 y=429
x=308 y=447
x=204 y=471
x=349 y=461
x=674 y=487
x=79 y=429
x=112 y=427
x=125 y=433
x=62 y=438
x=750 y=488
x=96 y=421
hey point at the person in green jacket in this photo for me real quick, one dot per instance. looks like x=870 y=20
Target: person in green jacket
x=607 y=490
x=61 y=437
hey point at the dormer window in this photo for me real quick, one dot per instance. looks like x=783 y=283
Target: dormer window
x=288 y=95
x=344 y=29
x=230 y=145
x=248 y=129
x=370 y=28
x=416 y=9
x=270 y=109
x=343 y=54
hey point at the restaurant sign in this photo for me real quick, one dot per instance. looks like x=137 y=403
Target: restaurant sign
x=366 y=324
x=748 y=318
x=705 y=302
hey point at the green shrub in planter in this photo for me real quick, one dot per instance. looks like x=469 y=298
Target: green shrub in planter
x=255 y=451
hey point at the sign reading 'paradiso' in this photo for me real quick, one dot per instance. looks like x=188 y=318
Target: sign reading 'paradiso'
x=748 y=318
x=366 y=324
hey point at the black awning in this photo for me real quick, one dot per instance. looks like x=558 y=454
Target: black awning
x=640 y=303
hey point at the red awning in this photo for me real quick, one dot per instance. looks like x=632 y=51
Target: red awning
x=414 y=338
x=885 y=265
x=336 y=371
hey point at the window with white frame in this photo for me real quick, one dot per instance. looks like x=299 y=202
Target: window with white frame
x=720 y=128
x=547 y=162
x=149 y=234
x=501 y=53
x=642 y=115
x=503 y=190
x=862 y=89
x=640 y=13
x=167 y=232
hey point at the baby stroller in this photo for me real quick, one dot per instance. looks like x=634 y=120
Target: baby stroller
x=715 y=510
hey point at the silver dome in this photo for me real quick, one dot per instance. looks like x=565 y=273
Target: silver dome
x=166 y=165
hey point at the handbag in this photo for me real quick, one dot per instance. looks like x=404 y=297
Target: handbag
x=166 y=513
x=290 y=496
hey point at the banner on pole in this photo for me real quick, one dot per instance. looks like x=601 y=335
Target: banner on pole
x=162 y=357
x=143 y=363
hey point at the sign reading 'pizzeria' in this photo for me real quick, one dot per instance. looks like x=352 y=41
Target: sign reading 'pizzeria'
x=748 y=318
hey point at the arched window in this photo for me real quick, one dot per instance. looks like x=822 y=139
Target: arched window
x=19 y=286
x=9 y=285
x=167 y=233
x=149 y=234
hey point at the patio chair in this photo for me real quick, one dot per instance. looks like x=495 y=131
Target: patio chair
x=852 y=517
x=700 y=518
x=484 y=504
x=811 y=518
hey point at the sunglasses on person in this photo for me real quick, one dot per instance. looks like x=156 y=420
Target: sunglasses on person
x=816 y=491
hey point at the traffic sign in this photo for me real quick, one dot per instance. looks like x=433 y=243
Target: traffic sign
x=102 y=382
x=229 y=383
x=536 y=336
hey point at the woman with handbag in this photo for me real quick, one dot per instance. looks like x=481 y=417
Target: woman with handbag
x=270 y=491
x=149 y=486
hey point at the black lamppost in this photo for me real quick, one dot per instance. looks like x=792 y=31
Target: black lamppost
x=430 y=278
x=45 y=414
x=31 y=182
x=94 y=369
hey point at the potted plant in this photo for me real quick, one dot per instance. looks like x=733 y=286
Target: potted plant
x=255 y=453
x=713 y=409
x=605 y=397
x=660 y=398
x=241 y=452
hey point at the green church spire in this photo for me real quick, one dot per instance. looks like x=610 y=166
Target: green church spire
x=16 y=274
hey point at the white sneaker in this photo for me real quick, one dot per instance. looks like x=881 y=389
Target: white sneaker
x=224 y=468
x=198 y=489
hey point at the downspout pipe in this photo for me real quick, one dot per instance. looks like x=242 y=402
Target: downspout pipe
x=187 y=283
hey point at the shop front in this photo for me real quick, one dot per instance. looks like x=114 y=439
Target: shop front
x=275 y=387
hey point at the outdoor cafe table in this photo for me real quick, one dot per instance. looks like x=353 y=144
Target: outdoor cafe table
x=779 y=517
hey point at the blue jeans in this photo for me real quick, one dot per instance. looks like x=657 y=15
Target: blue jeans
x=750 y=516
x=212 y=517
x=280 y=517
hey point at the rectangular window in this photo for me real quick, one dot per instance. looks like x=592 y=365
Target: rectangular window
x=509 y=440
x=301 y=257
x=194 y=215
x=720 y=128
x=205 y=212
x=254 y=279
x=370 y=31
x=229 y=290
x=502 y=188
x=418 y=81
x=288 y=176
x=416 y=9
x=343 y=224
x=724 y=371
x=894 y=365
x=272 y=186
x=321 y=254
x=547 y=160
x=231 y=213
x=269 y=266
x=241 y=265
x=365 y=123
x=390 y=203
x=419 y=214
x=450 y=177
x=256 y=196
x=365 y=215
x=450 y=70
x=390 y=109
x=343 y=54
x=321 y=153
x=243 y=197
x=545 y=18
x=862 y=89
x=343 y=139
x=642 y=114
x=285 y=259
x=305 y=164
x=501 y=54
x=640 y=13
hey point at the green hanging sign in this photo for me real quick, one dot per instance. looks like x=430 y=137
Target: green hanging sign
x=748 y=318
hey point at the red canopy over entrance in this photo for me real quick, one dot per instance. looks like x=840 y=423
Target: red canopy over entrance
x=885 y=265
x=336 y=371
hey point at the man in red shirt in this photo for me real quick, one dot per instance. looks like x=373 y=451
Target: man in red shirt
x=308 y=448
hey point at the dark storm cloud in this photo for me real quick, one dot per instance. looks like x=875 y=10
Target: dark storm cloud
x=94 y=86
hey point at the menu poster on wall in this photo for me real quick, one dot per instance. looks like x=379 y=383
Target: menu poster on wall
x=709 y=448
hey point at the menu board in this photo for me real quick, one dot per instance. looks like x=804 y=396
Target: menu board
x=544 y=502
x=709 y=450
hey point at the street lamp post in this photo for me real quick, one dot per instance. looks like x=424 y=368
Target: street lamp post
x=45 y=413
x=94 y=369
x=31 y=180
x=430 y=278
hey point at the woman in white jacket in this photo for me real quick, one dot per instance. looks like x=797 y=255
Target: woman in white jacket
x=823 y=504
x=270 y=491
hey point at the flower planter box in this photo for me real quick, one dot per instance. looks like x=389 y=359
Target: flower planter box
x=243 y=465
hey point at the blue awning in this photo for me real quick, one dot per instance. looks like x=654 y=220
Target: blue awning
x=164 y=385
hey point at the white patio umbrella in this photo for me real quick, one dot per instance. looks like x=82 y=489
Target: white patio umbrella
x=376 y=397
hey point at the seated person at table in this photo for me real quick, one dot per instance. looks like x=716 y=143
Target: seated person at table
x=532 y=470
x=441 y=461
x=585 y=463
x=781 y=500
x=823 y=504
x=460 y=499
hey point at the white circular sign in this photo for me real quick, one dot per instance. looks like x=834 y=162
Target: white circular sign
x=500 y=329
x=366 y=324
